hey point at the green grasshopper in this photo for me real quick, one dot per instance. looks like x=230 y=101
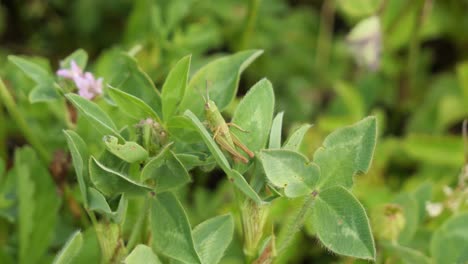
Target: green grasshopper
x=221 y=134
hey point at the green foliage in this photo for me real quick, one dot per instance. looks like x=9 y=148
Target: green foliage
x=342 y=224
x=172 y=234
x=345 y=152
x=70 y=250
x=142 y=160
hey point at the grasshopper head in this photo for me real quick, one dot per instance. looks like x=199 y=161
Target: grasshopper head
x=210 y=106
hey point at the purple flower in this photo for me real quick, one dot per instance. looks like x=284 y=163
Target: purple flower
x=88 y=86
x=70 y=73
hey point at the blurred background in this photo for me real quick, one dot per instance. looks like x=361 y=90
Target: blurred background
x=409 y=68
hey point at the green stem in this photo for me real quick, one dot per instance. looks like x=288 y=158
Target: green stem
x=250 y=23
x=414 y=47
x=296 y=224
x=324 y=40
x=102 y=244
x=10 y=105
x=136 y=231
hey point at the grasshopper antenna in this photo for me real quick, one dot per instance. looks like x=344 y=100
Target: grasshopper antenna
x=201 y=94
x=206 y=87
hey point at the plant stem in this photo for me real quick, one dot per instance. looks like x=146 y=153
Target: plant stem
x=414 y=47
x=20 y=121
x=327 y=15
x=296 y=224
x=136 y=231
x=250 y=23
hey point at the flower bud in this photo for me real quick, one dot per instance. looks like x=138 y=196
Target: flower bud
x=389 y=221
x=253 y=220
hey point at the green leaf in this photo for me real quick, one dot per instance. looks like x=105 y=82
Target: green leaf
x=131 y=105
x=174 y=87
x=450 y=242
x=111 y=182
x=45 y=88
x=33 y=70
x=70 y=250
x=37 y=225
x=142 y=254
x=345 y=152
x=79 y=56
x=213 y=237
x=43 y=93
x=254 y=114
x=240 y=182
x=166 y=171
x=222 y=76
x=129 y=78
x=218 y=155
x=94 y=114
x=98 y=203
x=342 y=224
x=275 y=134
x=26 y=207
x=294 y=141
x=90 y=251
x=290 y=170
x=181 y=128
x=171 y=232
x=129 y=151
x=80 y=156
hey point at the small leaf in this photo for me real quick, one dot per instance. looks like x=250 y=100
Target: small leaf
x=291 y=171
x=131 y=105
x=111 y=182
x=213 y=237
x=222 y=76
x=174 y=87
x=43 y=93
x=142 y=254
x=79 y=56
x=294 y=141
x=80 y=156
x=342 y=224
x=450 y=241
x=130 y=78
x=166 y=170
x=129 y=151
x=345 y=152
x=98 y=203
x=240 y=182
x=181 y=128
x=171 y=232
x=275 y=134
x=70 y=250
x=32 y=69
x=94 y=114
x=254 y=114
